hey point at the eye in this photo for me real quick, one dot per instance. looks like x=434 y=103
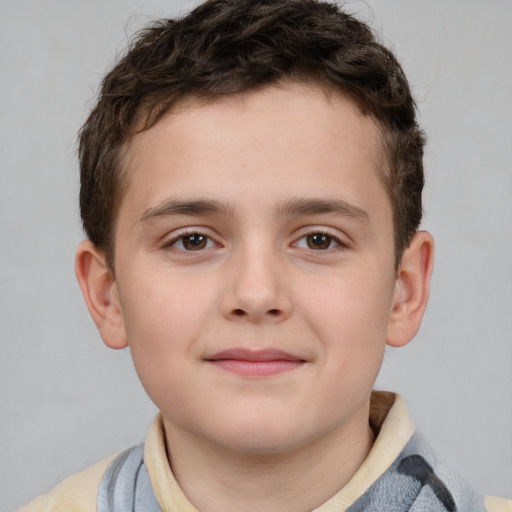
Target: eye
x=191 y=242
x=318 y=241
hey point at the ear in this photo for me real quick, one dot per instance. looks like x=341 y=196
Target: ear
x=411 y=290
x=100 y=293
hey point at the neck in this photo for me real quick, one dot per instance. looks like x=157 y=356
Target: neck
x=218 y=479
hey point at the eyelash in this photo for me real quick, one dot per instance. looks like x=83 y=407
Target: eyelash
x=331 y=239
x=169 y=244
x=339 y=244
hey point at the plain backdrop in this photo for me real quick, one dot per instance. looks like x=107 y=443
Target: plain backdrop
x=67 y=401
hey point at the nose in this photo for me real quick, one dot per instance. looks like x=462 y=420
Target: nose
x=257 y=288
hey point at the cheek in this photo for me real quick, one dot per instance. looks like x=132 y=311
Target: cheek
x=159 y=306
x=355 y=298
x=162 y=323
x=350 y=315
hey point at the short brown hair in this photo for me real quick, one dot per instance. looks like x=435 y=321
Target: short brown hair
x=225 y=47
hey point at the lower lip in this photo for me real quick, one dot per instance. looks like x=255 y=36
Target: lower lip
x=256 y=368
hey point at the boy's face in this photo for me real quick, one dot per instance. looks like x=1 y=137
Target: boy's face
x=254 y=265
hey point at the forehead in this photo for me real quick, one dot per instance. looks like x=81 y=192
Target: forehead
x=289 y=137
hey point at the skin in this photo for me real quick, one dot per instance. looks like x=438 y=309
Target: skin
x=279 y=191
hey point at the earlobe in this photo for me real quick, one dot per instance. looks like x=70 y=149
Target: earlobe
x=100 y=293
x=411 y=290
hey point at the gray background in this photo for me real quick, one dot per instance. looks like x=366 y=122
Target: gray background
x=67 y=401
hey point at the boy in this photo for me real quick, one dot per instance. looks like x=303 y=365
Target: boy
x=251 y=192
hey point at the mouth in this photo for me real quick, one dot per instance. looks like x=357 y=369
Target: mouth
x=255 y=363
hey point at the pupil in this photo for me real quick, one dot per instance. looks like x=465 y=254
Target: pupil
x=194 y=242
x=319 y=241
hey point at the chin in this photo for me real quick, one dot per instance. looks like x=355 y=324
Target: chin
x=258 y=439
x=263 y=446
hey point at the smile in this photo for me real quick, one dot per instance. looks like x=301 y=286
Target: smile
x=259 y=363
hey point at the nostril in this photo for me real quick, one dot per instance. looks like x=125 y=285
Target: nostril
x=273 y=312
x=238 y=312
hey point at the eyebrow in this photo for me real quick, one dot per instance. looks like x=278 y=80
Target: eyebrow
x=294 y=206
x=306 y=206
x=195 y=207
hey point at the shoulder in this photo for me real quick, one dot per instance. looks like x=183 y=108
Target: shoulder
x=77 y=493
x=494 y=504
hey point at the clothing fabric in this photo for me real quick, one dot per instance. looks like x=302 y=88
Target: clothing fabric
x=400 y=474
x=411 y=484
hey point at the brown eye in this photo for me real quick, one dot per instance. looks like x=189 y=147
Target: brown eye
x=192 y=242
x=319 y=241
